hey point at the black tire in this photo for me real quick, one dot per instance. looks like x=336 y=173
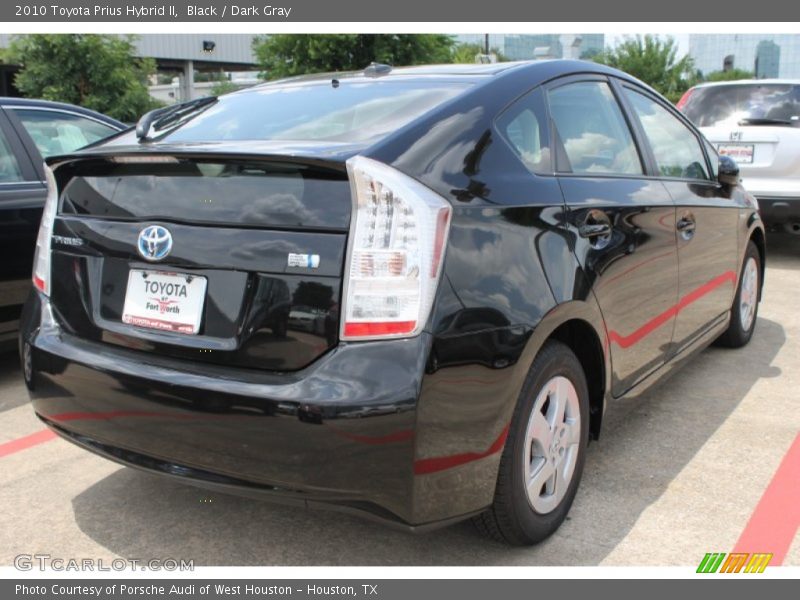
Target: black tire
x=512 y=518
x=736 y=336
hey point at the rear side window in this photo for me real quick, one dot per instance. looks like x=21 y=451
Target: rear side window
x=56 y=132
x=524 y=127
x=676 y=149
x=590 y=126
x=9 y=167
x=331 y=111
x=727 y=105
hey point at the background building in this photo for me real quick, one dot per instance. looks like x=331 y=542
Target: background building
x=546 y=45
x=766 y=55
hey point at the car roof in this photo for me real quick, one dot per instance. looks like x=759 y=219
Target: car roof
x=537 y=71
x=6 y=101
x=749 y=82
x=443 y=70
x=520 y=77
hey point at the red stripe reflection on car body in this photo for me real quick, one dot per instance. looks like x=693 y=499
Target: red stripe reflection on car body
x=424 y=466
x=776 y=518
x=604 y=283
x=116 y=414
x=374 y=440
x=23 y=443
x=626 y=341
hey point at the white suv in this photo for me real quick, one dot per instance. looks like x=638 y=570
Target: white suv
x=757 y=123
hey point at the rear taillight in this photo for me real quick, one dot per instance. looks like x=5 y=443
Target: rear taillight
x=684 y=99
x=41 y=258
x=397 y=239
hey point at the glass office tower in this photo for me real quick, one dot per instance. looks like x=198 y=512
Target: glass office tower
x=545 y=45
x=765 y=55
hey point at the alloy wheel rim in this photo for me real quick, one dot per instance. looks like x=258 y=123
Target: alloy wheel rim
x=749 y=294
x=552 y=443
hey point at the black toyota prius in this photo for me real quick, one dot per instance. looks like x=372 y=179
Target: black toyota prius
x=407 y=293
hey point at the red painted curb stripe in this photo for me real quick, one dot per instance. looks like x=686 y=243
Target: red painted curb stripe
x=626 y=341
x=425 y=466
x=44 y=435
x=776 y=519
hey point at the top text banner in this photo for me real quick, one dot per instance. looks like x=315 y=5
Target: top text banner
x=443 y=11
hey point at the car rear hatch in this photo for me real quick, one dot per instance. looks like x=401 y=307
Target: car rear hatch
x=758 y=125
x=218 y=231
x=230 y=259
x=767 y=156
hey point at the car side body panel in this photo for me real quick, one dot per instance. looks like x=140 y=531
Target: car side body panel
x=633 y=272
x=708 y=258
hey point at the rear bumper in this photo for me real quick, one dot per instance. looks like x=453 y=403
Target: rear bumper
x=779 y=211
x=342 y=433
x=242 y=487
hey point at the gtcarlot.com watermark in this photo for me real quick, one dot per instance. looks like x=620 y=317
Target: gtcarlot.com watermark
x=47 y=562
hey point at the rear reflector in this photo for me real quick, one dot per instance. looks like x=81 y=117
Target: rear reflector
x=39 y=283
x=375 y=329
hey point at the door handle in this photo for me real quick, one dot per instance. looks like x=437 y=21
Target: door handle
x=592 y=230
x=686 y=225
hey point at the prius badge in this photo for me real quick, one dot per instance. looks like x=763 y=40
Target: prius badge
x=155 y=242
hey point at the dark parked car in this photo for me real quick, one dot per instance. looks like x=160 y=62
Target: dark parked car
x=29 y=131
x=499 y=252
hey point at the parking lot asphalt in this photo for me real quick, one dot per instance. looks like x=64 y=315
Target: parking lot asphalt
x=707 y=462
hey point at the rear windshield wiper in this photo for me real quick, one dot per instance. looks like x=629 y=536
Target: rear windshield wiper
x=162 y=117
x=767 y=121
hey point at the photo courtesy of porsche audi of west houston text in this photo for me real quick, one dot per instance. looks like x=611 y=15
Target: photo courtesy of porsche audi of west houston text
x=188 y=589
x=405 y=293
x=139 y=11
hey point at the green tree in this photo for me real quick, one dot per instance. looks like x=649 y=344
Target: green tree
x=466 y=53
x=591 y=54
x=731 y=75
x=284 y=55
x=223 y=86
x=655 y=61
x=99 y=72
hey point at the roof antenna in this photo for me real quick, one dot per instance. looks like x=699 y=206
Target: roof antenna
x=376 y=69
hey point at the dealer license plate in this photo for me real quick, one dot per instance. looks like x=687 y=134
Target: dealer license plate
x=741 y=153
x=165 y=301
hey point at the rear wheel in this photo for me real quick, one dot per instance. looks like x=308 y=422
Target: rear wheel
x=745 y=303
x=543 y=458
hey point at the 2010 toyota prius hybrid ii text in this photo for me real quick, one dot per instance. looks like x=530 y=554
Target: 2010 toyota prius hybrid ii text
x=408 y=293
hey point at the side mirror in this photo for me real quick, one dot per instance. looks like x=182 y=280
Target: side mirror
x=728 y=171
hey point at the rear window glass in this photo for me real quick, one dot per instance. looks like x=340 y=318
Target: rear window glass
x=727 y=105
x=235 y=192
x=349 y=112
